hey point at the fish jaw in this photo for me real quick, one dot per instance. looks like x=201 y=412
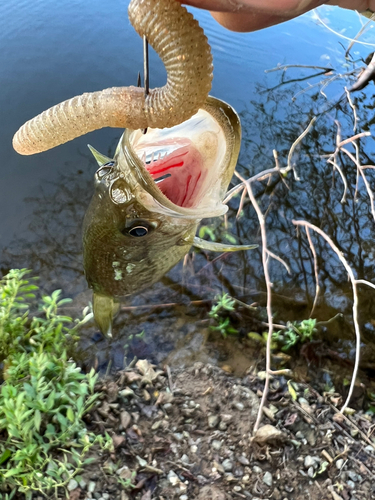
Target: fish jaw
x=116 y=262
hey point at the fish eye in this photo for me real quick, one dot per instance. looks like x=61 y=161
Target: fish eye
x=138 y=231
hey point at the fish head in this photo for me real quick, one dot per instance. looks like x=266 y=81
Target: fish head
x=150 y=198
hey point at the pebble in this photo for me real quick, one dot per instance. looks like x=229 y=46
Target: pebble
x=216 y=445
x=194 y=448
x=311 y=462
x=91 y=487
x=223 y=426
x=168 y=407
x=226 y=417
x=178 y=436
x=213 y=420
x=267 y=479
x=351 y=485
x=243 y=460
x=227 y=465
x=237 y=488
x=239 y=406
x=82 y=484
x=185 y=459
x=311 y=472
x=72 y=485
x=173 y=478
x=184 y=497
x=353 y=476
x=105 y=496
x=339 y=463
x=257 y=470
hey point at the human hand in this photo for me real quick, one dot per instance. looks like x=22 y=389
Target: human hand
x=251 y=15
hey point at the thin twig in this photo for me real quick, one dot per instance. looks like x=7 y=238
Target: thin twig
x=355 y=300
x=295 y=144
x=287 y=66
x=316 y=271
x=339 y=34
x=269 y=300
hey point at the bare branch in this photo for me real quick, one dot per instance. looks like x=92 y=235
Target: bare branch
x=355 y=301
x=316 y=271
x=339 y=34
x=295 y=144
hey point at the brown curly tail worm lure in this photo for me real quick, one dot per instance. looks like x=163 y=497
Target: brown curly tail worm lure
x=181 y=44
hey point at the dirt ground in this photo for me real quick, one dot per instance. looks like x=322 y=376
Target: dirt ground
x=187 y=434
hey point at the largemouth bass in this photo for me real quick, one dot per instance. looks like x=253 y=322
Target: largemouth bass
x=149 y=200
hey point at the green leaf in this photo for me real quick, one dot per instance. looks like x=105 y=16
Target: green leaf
x=70 y=414
x=37 y=420
x=4 y=457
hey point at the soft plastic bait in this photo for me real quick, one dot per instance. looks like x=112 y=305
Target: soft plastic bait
x=181 y=44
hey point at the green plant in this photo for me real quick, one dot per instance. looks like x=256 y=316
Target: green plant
x=224 y=303
x=296 y=332
x=43 y=438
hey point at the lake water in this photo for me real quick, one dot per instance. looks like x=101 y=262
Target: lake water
x=51 y=51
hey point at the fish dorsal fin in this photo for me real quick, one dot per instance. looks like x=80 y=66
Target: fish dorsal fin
x=99 y=157
x=220 y=247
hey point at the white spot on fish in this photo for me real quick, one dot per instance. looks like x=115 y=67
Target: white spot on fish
x=118 y=274
x=130 y=267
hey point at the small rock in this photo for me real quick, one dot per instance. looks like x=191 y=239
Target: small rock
x=353 y=476
x=237 y=488
x=268 y=434
x=227 y=465
x=185 y=459
x=351 y=484
x=243 y=460
x=216 y=445
x=168 y=407
x=311 y=472
x=311 y=462
x=82 y=484
x=125 y=419
x=72 y=485
x=226 y=417
x=91 y=487
x=223 y=426
x=239 y=406
x=184 y=497
x=257 y=470
x=173 y=478
x=339 y=463
x=105 y=496
x=267 y=479
x=213 y=420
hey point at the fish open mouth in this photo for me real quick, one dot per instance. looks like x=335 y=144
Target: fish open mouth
x=186 y=162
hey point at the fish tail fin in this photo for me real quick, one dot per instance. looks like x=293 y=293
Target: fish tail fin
x=105 y=309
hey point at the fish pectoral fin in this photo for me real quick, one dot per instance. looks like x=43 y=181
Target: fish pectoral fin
x=220 y=247
x=101 y=159
x=105 y=309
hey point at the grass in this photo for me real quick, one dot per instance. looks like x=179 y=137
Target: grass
x=44 y=396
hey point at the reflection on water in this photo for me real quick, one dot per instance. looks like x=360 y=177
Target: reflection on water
x=44 y=197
